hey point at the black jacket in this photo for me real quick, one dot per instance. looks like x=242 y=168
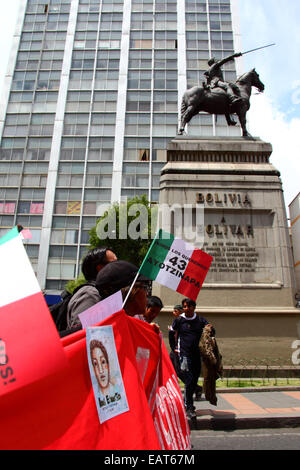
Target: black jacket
x=188 y=333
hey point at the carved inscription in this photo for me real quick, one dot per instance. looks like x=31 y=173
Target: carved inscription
x=232 y=257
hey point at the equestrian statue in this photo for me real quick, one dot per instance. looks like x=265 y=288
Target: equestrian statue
x=217 y=96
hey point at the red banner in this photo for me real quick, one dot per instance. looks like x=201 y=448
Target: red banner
x=59 y=412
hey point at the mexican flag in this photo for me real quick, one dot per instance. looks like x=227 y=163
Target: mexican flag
x=176 y=264
x=30 y=347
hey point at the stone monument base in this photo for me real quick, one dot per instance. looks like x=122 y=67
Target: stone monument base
x=250 y=287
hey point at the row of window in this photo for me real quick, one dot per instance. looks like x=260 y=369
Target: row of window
x=73 y=168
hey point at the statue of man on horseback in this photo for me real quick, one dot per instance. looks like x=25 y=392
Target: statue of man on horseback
x=214 y=77
x=217 y=96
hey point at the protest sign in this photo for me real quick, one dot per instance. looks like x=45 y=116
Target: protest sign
x=101 y=310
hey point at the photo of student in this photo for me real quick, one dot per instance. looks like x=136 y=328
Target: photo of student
x=100 y=362
x=106 y=377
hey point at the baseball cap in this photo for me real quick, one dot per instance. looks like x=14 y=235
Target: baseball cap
x=116 y=275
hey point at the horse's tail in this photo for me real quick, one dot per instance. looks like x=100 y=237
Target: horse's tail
x=183 y=105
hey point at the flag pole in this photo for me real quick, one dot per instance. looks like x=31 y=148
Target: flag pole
x=131 y=287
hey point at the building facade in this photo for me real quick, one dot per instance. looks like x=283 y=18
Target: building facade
x=294 y=210
x=91 y=99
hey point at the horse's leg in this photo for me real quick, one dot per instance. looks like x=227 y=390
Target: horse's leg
x=242 y=118
x=186 y=117
x=230 y=120
x=182 y=123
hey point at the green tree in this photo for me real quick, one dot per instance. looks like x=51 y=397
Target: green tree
x=127 y=229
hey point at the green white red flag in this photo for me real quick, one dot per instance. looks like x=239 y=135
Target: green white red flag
x=30 y=347
x=176 y=264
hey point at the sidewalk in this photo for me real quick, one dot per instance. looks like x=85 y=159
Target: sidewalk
x=249 y=409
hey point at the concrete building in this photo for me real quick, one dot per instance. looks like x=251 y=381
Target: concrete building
x=91 y=99
x=294 y=210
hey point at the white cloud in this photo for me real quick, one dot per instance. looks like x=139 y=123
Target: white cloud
x=271 y=125
x=272 y=21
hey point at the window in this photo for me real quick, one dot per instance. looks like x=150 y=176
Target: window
x=165 y=79
x=101 y=148
x=61 y=271
x=54 y=40
x=24 y=80
x=165 y=101
x=83 y=60
x=106 y=80
x=103 y=124
x=71 y=168
x=81 y=79
x=97 y=195
x=68 y=194
x=138 y=101
x=42 y=124
x=141 y=21
x=137 y=124
x=45 y=101
x=140 y=79
x=108 y=59
x=78 y=101
x=76 y=124
x=64 y=236
x=73 y=148
x=164 y=124
x=105 y=101
x=166 y=39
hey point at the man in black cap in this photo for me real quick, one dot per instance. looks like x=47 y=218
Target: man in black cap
x=120 y=275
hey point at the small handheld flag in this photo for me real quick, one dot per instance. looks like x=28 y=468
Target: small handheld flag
x=176 y=264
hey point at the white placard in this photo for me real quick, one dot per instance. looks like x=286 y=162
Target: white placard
x=101 y=310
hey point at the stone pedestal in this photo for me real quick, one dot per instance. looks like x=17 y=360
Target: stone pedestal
x=245 y=226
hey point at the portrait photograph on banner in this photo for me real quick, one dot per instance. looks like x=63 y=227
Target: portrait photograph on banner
x=108 y=386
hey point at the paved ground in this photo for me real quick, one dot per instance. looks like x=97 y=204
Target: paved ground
x=246 y=410
x=245 y=439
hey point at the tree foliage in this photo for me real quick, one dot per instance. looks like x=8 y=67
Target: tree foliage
x=121 y=221
x=136 y=217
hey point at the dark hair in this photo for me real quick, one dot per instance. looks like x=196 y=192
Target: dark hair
x=94 y=343
x=154 y=301
x=177 y=307
x=189 y=302
x=92 y=260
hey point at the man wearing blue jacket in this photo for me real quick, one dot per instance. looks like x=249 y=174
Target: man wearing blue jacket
x=188 y=329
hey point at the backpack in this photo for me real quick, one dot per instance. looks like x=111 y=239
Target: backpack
x=59 y=310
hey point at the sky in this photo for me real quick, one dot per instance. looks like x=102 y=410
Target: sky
x=274 y=115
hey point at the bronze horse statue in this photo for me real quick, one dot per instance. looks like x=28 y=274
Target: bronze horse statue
x=216 y=101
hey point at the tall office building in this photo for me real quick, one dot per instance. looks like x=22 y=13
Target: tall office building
x=92 y=96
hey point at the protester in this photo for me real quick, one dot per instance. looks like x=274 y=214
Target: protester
x=88 y=295
x=120 y=275
x=212 y=363
x=177 y=310
x=153 y=308
x=184 y=337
